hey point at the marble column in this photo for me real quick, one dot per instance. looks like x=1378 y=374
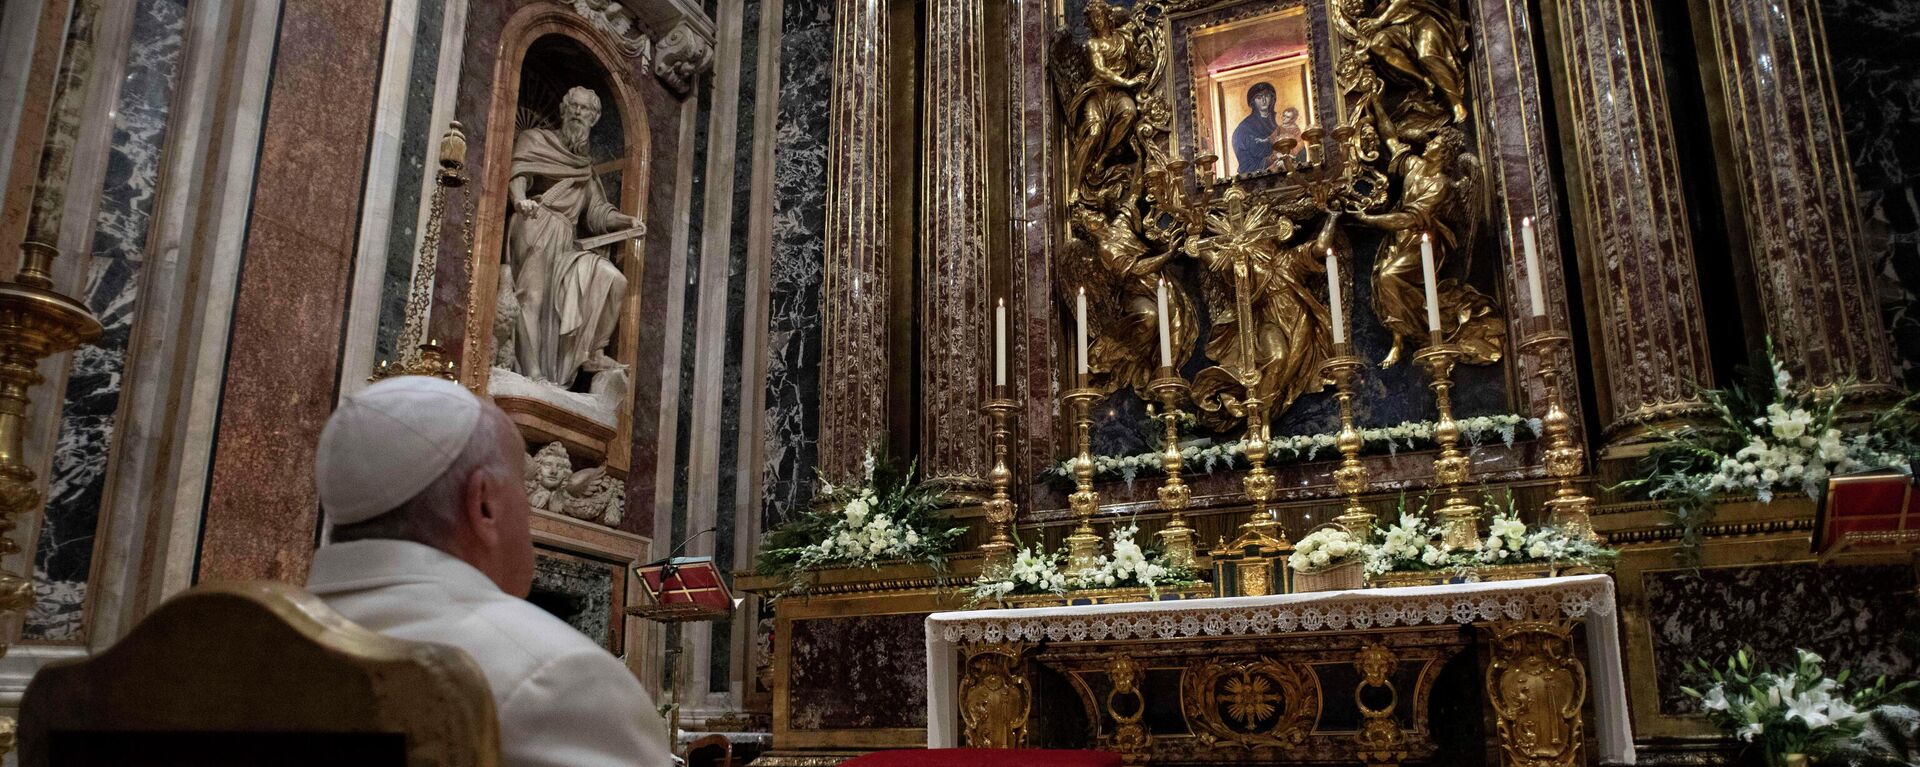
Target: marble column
x=1630 y=214
x=78 y=476
x=38 y=211
x=856 y=296
x=955 y=315
x=1783 y=152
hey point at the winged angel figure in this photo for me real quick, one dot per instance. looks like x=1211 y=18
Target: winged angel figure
x=1116 y=123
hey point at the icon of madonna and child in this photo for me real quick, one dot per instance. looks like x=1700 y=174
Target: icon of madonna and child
x=1254 y=137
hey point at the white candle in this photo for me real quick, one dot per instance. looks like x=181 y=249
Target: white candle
x=1433 y=285
x=1334 y=300
x=1166 y=336
x=1000 y=344
x=1529 y=243
x=1080 y=315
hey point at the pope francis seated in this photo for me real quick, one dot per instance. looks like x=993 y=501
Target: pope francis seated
x=421 y=481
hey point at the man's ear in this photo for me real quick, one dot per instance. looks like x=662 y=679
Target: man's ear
x=476 y=505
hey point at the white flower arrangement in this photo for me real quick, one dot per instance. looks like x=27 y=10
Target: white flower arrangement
x=1128 y=567
x=1792 y=710
x=1771 y=435
x=864 y=535
x=1412 y=545
x=1034 y=570
x=884 y=516
x=1409 y=545
x=1206 y=456
x=1037 y=571
x=1323 y=549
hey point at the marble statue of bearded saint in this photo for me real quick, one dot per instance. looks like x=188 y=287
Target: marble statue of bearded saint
x=569 y=298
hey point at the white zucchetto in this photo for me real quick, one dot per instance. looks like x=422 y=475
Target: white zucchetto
x=385 y=444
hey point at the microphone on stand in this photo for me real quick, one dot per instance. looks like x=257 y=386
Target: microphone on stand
x=667 y=567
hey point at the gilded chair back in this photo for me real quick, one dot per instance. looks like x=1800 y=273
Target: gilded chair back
x=259 y=673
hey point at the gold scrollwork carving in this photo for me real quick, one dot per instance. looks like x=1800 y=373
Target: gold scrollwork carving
x=1130 y=737
x=1263 y=703
x=1132 y=209
x=995 y=699
x=1537 y=685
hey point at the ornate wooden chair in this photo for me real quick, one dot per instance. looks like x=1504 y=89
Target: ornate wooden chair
x=710 y=751
x=259 y=673
x=985 y=757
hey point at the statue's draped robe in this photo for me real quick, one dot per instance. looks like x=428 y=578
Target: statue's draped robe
x=569 y=298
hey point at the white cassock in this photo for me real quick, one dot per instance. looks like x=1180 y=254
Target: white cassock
x=562 y=699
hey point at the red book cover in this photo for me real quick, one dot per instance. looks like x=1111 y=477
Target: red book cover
x=1864 y=509
x=683 y=589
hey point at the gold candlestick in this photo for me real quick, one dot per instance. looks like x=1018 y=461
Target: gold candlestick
x=1176 y=539
x=1083 y=545
x=1569 y=508
x=35 y=322
x=1351 y=477
x=1000 y=509
x=1461 y=520
x=1258 y=484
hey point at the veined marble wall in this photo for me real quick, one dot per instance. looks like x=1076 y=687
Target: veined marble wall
x=417 y=139
x=799 y=234
x=1877 y=74
x=63 y=557
x=1852 y=616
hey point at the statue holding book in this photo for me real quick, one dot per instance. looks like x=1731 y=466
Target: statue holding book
x=568 y=285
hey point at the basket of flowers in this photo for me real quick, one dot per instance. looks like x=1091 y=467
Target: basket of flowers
x=1328 y=559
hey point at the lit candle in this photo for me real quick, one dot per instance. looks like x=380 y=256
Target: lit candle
x=1080 y=315
x=1433 y=294
x=1000 y=344
x=1531 y=245
x=1334 y=300
x=1166 y=336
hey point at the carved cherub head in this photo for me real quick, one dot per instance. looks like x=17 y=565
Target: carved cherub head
x=550 y=468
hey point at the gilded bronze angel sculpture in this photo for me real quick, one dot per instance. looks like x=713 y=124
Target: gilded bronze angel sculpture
x=1439 y=193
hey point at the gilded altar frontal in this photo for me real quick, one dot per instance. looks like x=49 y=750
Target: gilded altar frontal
x=793 y=383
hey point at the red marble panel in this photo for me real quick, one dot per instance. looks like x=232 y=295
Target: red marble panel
x=262 y=511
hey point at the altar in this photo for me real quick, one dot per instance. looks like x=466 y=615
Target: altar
x=1268 y=678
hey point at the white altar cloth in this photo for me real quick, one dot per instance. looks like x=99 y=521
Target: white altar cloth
x=1586 y=597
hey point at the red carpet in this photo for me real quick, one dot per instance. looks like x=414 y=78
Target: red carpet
x=985 y=757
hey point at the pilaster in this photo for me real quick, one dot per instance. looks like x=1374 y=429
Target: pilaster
x=956 y=333
x=1789 y=181
x=855 y=368
x=1630 y=215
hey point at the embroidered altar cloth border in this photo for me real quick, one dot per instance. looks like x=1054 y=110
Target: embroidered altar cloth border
x=1585 y=597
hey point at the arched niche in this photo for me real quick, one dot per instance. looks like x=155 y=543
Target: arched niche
x=544 y=51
